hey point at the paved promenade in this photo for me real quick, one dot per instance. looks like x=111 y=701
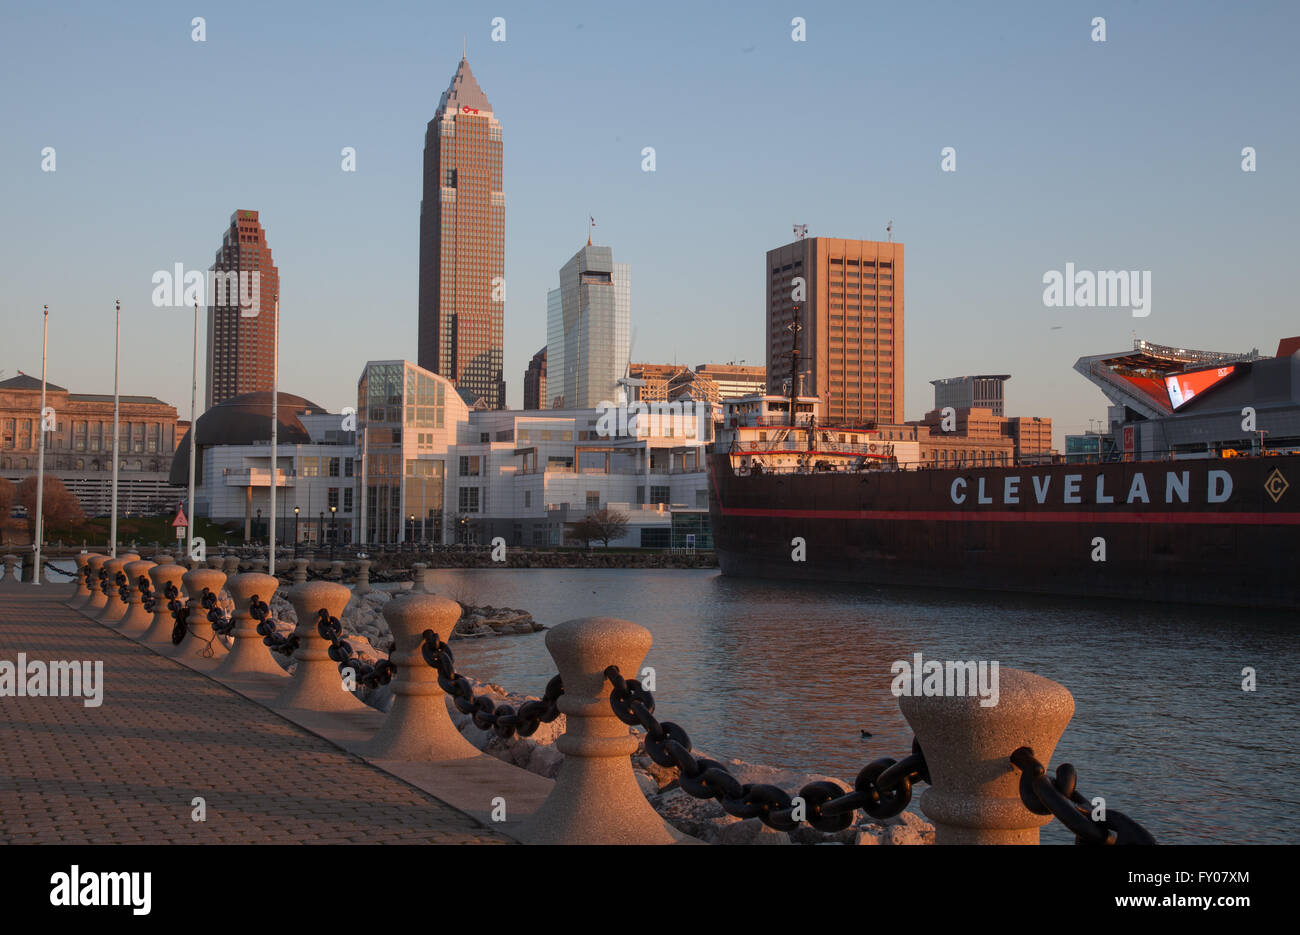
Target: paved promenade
x=127 y=771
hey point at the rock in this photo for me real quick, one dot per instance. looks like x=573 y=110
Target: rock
x=750 y=831
x=546 y=761
x=699 y=818
x=902 y=834
x=647 y=783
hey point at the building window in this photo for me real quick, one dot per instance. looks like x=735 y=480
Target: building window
x=469 y=465
x=658 y=494
x=469 y=499
x=347 y=499
x=348 y=467
x=333 y=497
x=593 y=500
x=334 y=467
x=528 y=498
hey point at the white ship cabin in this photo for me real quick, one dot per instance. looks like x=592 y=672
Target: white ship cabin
x=757 y=434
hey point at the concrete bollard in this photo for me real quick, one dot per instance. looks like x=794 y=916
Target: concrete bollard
x=299 y=572
x=973 y=796
x=418 y=726
x=596 y=799
x=163 y=558
x=137 y=620
x=258 y=565
x=317 y=684
x=82 y=593
x=336 y=571
x=201 y=639
x=420 y=580
x=363 y=578
x=115 y=608
x=248 y=654
x=216 y=562
x=232 y=566
x=98 y=598
x=159 y=633
x=11 y=569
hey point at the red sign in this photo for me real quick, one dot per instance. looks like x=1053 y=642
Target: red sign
x=180 y=519
x=1183 y=386
x=1128 y=439
x=469 y=110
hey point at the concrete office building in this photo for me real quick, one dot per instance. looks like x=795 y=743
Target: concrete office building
x=852 y=316
x=588 y=320
x=986 y=391
x=462 y=243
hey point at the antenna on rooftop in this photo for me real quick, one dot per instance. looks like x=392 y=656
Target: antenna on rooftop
x=800 y=231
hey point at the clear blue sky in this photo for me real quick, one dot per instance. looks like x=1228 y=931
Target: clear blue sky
x=1115 y=155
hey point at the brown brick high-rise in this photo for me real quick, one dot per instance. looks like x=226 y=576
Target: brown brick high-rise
x=462 y=242
x=852 y=340
x=241 y=312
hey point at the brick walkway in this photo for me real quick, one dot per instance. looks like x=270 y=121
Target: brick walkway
x=126 y=772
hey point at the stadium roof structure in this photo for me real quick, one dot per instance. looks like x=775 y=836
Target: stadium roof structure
x=1136 y=379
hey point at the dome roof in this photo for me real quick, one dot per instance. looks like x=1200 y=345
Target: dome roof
x=244 y=420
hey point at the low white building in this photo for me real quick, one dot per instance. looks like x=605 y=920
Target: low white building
x=315 y=480
x=436 y=470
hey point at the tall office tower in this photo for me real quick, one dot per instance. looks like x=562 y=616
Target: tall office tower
x=587 y=329
x=851 y=309
x=241 y=312
x=985 y=390
x=535 y=382
x=462 y=243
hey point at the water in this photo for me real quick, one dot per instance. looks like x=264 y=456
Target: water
x=788 y=675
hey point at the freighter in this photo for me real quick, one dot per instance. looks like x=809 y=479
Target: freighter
x=1210 y=522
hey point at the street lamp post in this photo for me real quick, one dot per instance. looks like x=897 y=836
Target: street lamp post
x=295 y=532
x=257 y=533
x=411 y=520
x=334 y=529
x=320 y=527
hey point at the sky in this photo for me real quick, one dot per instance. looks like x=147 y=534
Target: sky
x=1123 y=154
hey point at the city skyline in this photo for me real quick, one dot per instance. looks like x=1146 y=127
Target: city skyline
x=1126 y=192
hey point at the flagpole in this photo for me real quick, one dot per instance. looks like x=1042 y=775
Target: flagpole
x=194 y=429
x=275 y=427
x=117 y=427
x=40 y=457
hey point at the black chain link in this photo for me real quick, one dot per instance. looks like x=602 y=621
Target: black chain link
x=882 y=789
x=123 y=587
x=181 y=614
x=341 y=651
x=148 y=596
x=49 y=566
x=261 y=612
x=503 y=719
x=1059 y=797
x=222 y=623
x=104 y=583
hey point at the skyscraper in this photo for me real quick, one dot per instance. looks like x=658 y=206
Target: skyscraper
x=241 y=312
x=535 y=382
x=851 y=310
x=587 y=329
x=462 y=242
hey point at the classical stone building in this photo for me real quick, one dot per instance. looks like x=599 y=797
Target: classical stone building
x=79 y=449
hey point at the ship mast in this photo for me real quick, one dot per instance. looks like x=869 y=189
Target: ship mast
x=794 y=328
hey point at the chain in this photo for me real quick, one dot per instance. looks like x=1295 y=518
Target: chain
x=222 y=624
x=181 y=614
x=148 y=596
x=503 y=719
x=59 y=571
x=1059 y=797
x=123 y=587
x=260 y=611
x=104 y=583
x=882 y=789
x=371 y=676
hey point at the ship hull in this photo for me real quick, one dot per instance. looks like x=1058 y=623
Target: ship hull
x=1215 y=531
